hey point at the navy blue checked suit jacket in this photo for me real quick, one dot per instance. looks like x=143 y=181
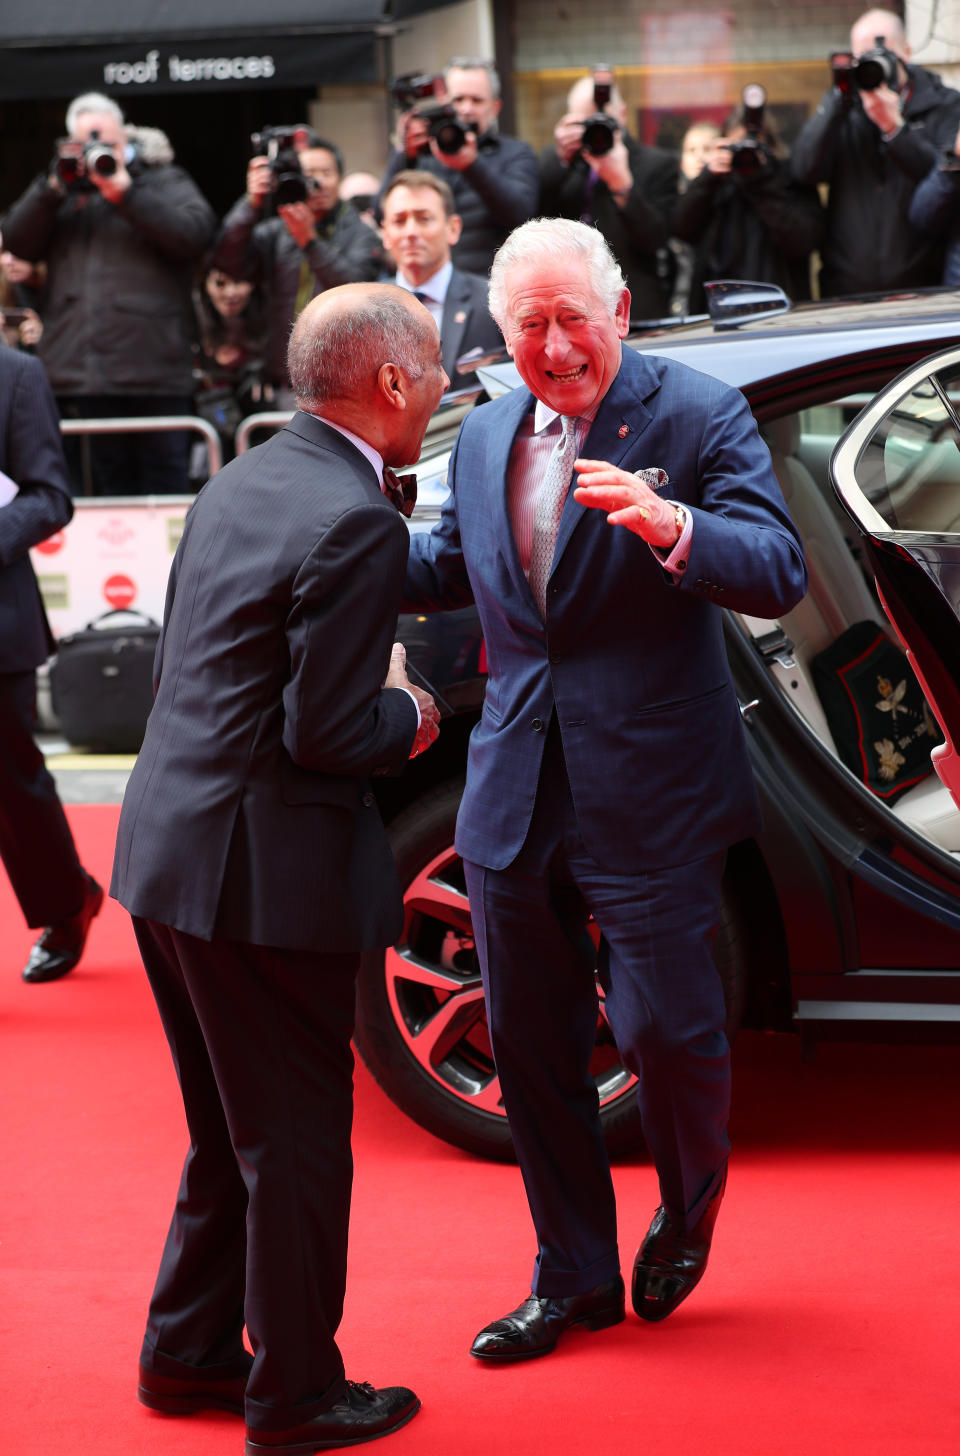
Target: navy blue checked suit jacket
x=633 y=664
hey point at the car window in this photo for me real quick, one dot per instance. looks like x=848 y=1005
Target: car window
x=909 y=468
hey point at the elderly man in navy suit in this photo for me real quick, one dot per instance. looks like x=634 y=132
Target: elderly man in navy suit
x=608 y=774
x=36 y=845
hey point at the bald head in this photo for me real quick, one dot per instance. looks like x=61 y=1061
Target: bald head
x=366 y=356
x=343 y=337
x=864 y=32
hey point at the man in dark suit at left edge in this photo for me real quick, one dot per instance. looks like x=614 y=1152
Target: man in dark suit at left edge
x=36 y=845
x=254 y=862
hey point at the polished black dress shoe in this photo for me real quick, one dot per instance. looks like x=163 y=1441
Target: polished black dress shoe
x=61 y=945
x=535 y=1327
x=362 y=1415
x=671 y=1260
x=176 y=1397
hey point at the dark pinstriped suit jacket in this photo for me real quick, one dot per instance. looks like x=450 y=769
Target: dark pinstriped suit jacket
x=32 y=455
x=249 y=814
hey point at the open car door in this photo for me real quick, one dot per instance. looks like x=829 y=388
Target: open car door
x=896 y=471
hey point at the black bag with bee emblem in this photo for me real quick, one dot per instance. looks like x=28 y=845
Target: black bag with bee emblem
x=101 y=681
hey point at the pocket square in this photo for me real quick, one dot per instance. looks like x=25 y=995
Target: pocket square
x=653 y=476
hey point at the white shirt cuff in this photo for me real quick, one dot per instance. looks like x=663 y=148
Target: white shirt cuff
x=676 y=561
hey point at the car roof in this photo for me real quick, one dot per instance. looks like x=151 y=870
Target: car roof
x=776 y=345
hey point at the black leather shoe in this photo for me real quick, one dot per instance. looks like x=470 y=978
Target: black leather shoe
x=535 y=1327
x=61 y=945
x=176 y=1397
x=670 y=1262
x=362 y=1415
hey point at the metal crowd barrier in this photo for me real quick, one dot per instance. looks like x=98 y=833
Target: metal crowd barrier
x=150 y=424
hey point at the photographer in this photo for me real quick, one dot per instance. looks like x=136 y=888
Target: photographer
x=597 y=173
x=745 y=215
x=874 y=136
x=935 y=210
x=306 y=246
x=493 y=177
x=121 y=229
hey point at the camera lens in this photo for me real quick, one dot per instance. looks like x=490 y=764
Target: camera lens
x=598 y=135
x=101 y=160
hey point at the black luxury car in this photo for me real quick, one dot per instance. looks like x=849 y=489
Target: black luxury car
x=842 y=918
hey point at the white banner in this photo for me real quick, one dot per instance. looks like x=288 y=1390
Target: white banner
x=110 y=555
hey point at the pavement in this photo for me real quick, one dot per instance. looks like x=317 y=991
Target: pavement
x=82 y=777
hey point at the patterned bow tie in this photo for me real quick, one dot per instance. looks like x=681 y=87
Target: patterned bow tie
x=401 y=489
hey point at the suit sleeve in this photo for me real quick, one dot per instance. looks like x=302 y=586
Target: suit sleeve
x=745 y=553
x=34 y=461
x=437 y=578
x=338 y=718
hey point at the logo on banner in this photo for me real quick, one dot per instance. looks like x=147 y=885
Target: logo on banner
x=120 y=591
x=51 y=545
x=117 y=532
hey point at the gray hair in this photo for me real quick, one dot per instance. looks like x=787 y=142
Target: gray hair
x=559 y=239
x=475 y=63
x=341 y=357
x=91 y=101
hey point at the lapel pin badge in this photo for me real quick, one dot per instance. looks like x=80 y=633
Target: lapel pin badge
x=623 y=431
x=460 y=317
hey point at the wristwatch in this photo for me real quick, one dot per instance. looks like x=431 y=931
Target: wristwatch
x=680 y=516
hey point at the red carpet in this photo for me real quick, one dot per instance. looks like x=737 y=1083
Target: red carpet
x=828 y=1320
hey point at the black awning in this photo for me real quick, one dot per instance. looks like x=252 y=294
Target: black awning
x=153 y=47
x=42 y=23
x=156 y=67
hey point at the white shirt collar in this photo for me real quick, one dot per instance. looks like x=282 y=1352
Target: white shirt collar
x=435 y=287
x=367 y=451
x=544 y=416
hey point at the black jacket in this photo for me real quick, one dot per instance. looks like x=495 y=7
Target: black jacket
x=466 y=325
x=346 y=250
x=249 y=814
x=493 y=196
x=869 y=245
x=935 y=210
x=636 y=232
x=32 y=456
x=761 y=228
x=117 y=315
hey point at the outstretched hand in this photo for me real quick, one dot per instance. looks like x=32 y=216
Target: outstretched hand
x=627 y=500
x=429 y=729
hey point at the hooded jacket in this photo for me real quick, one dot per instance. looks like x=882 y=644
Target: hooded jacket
x=869 y=246
x=761 y=227
x=117 y=312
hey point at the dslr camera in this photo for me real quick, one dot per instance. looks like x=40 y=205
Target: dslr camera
x=76 y=162
x=750 y=157
x=875 y=68
x=282 y=145
x=600 y=130
x=417 y=93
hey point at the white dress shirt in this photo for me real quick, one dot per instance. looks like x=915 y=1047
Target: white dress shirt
x=433 y=293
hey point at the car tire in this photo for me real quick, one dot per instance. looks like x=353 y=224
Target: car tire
x=421 y=1027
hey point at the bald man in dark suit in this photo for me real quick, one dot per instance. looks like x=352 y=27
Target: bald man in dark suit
x=36 y=845
x=253 y=859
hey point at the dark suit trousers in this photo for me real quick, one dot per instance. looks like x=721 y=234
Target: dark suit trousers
x=260 y=1039
x=664 y=1002
x=36 y=845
